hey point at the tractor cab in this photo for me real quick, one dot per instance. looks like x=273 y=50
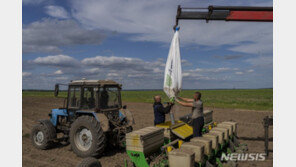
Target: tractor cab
x=94 y=95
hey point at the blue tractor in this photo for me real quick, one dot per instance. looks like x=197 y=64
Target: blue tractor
x=92 y=118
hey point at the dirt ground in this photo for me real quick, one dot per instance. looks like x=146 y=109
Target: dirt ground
x=249 y=127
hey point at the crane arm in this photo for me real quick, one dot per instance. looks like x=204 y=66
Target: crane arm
x=227 y=13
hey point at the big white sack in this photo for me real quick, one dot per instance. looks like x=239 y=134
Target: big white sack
x=173 y=71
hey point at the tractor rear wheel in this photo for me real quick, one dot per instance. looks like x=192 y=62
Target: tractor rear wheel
x=43 y=134
x=90 y=162
x=87 y=137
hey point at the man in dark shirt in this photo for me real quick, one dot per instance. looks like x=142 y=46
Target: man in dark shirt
x=197 y=112
x=160 y=111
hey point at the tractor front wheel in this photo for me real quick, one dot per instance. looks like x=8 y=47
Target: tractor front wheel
x=43 y=134
x=87 y=137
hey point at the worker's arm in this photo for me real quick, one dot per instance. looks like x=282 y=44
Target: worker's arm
x=184 y=103
x=165 y=110
x=186 y=99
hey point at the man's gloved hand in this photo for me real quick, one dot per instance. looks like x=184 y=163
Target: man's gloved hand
x=170 y=104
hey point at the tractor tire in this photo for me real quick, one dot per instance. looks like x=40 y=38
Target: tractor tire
x=43 y=134
x=90 y=162
x=87 y=138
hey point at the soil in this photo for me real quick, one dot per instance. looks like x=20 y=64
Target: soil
x=250 y=131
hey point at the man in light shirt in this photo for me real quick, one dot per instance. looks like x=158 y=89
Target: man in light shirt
x=197 y=112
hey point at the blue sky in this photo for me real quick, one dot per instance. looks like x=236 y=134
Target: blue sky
x=128 y=41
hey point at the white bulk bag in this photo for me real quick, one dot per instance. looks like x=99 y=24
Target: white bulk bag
x=173 y=72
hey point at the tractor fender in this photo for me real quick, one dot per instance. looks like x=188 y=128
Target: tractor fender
x=100 y=117
x=128 y=116
x=55 y=113
x=46 y=122
x=103 y=121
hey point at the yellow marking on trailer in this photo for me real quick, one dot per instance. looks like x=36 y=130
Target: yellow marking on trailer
x=169 y=149
x=180 y=142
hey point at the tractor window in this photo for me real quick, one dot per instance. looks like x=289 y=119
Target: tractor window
x=109 y=97
x=88 y=98
x=74 y=94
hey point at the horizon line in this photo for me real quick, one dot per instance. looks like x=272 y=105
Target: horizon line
x=158 y=89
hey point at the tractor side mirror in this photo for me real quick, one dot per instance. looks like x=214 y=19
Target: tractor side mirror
x=56 y=90
x=124 y=107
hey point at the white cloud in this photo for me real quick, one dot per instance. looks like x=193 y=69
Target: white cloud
x=48 y=35
x=119 y=63
x=207 y=74
x=136 y=73
x=228 y=57
x=185 y=74
x=136 y=76
x=56 y=11
x=57 y=60
x=102 y=67
x=260 y=44
x=185 y=62
x=157 y=70
x=26 y=74
x=114 y=65
x=112 y=60
x=93 y=70
x=62 y=78
x=153 y=21
x=214 y=70
x=202 y=75
x=261 y=61
x=112 y=75
x=58 y=72
x=239 y=73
